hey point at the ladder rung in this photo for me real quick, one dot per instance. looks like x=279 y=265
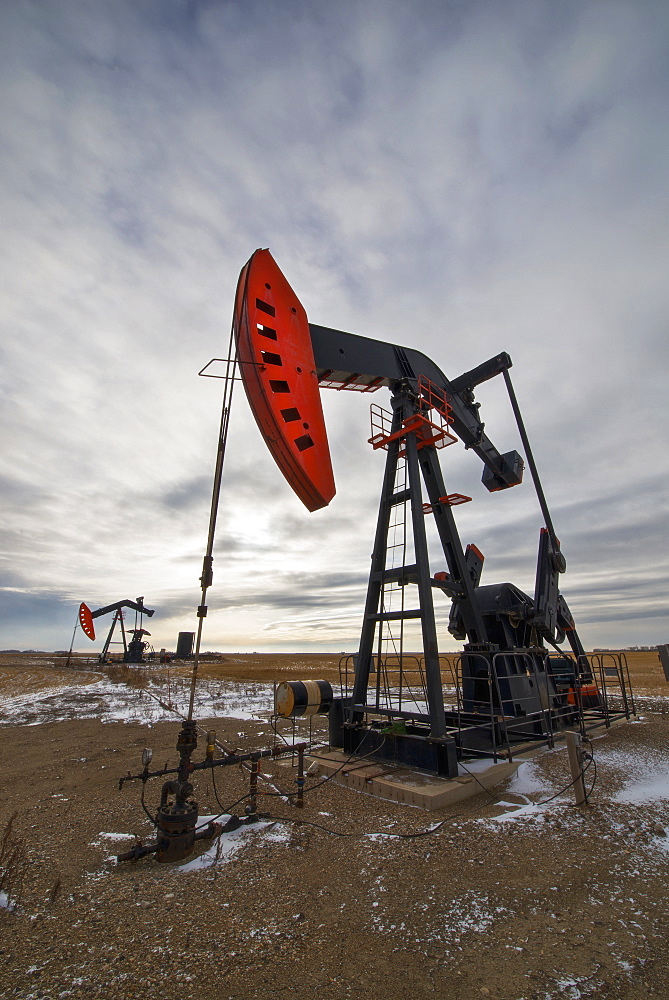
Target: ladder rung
x=396 y=574
x=399 y=497
x=395 y=616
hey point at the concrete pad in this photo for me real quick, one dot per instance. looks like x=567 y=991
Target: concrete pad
x=415 y=788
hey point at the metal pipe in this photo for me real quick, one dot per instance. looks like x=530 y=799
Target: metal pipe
x=207 y=563
x=252 y=809
x=275 y=751
x=300 y=780
x=69 y=655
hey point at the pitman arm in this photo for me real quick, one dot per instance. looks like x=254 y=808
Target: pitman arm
x=137 y=605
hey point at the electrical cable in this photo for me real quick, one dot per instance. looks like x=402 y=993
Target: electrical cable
x=594 y=779
x=338 y=833
x=278 y=793
x=213 y=781
x=433 y=829
x=151 y=818
x=480 y=783
x=273 y=719
x=285 y=795
x=317 y=826
x=428 y=831
x=224 y=812
x=587 y=757
x=312 y=788
x=566 y=788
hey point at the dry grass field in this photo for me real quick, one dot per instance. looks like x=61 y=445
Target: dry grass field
x=646 y=673
x=21 y=673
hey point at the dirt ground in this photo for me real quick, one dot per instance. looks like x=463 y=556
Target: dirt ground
x=505 y=898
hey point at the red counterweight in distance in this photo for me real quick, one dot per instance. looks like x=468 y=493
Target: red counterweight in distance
x=276 y=362
x=86 y=620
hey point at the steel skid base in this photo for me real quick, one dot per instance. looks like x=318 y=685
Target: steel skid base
x=412 y=747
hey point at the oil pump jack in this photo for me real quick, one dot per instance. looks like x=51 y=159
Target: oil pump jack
x=515 y=683
x=134 y=648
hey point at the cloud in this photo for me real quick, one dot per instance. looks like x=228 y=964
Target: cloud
x=185 y=495
x=459 y=178
x=33 y=621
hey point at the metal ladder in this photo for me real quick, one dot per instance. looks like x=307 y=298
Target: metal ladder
x=411 y=436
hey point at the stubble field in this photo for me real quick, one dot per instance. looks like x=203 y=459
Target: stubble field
x=507 y=895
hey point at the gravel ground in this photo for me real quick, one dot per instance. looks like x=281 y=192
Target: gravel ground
x=506 y=899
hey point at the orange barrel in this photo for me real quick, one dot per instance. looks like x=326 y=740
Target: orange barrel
x=302 y=698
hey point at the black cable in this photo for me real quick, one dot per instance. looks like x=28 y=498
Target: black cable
x=427 y=832
x=590 y=761
x=480 y=783
x=401 y=836
x=224 y=812
x=594 y=779
x=338 y=833
x=288 y=795
x=213 y=781
x=578 y=777
x=306 y=822
x=588 y=758
x=273 y=725
x=312 y=788
x=151 y=818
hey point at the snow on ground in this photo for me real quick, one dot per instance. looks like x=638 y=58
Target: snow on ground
x=226 y=846
x=437 y=921
x=5 y=902
x=643 y=774
x=121 y=703
x=527 y=781
x=219 y=851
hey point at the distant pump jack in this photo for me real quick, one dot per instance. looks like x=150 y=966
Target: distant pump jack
x=133 y=648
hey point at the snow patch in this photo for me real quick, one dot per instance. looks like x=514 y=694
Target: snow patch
x=121 y=703
x=224 y=848
x=6 y=903
x=527 y=781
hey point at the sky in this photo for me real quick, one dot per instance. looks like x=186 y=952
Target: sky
x=462 y=177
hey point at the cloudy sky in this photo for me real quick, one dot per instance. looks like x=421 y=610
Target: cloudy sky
x=458 y=176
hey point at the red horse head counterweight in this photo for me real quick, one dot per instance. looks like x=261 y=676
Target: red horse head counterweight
x=276 y=357
x=86 y=620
